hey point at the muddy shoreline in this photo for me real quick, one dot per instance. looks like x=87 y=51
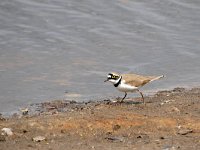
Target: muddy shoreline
x=170 y=120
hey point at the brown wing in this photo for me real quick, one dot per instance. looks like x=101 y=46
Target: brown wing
x=137 y=80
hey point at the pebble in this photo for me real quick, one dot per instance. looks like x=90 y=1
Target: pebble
x=2 y=138
x=139 y=137
x=25 y=111
x=166 y=102
x=169 y=148
x=1 y=117
x=175 y=109
x=116 y=127
x=115 y=139
x=184 y=131
x=63 y=131
x=162 y=137
x=39 y=138
x=7 y=131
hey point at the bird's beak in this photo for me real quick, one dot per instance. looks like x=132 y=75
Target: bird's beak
x=106 y=80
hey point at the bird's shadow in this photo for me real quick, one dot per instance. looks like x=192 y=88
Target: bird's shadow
x=132 y=102
x=126 y=101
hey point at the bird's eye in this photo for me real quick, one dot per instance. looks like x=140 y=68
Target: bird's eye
x=114 y=77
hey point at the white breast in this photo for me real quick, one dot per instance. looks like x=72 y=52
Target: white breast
x=126 y=87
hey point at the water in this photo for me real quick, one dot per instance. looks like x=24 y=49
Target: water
x=49 y=47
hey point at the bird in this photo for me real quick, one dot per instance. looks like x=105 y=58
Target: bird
x=130 y=82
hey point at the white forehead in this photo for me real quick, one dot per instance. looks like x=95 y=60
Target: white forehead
x=109 y=76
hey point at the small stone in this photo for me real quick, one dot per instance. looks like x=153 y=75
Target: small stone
x=178 y=90
x=63 y=131
x=108 y=133
x=30 y=145
x=24 y=131
x=7 y=131
x=169 y=148
x=107 y=101
x=2 y=138
x=116 y=127
x=157 y=141
x=162 y=138
x=184 y=131
x=25 y=111
x=161 y=104
x=39 y=138
x=16 y=116
x=175 y=109
x=73 y=102
x=139 y=137
x=1 y=117
x=115 y=139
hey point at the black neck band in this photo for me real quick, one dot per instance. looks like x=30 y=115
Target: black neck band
x=117 y=84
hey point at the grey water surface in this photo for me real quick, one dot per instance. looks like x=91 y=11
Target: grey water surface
x=63 y=49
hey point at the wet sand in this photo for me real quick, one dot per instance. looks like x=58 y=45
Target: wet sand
x=170 y=120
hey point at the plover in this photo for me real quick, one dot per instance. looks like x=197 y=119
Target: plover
x=130 y=82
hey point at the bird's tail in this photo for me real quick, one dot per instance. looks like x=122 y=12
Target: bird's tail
x=156 y=78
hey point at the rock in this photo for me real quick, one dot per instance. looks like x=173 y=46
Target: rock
x=184 y=131
x=162 y=137
x=1 y=117
x=116 y=127
x=109 y=133
x=24 y=111
x=107 y=101
x=15 y=116
x=63 y=131
x=39 y=138
x=178 y=90
x=169 y=148
x=166 y=102
x=139 y=137
x=175 y=109
x=24 y=131
x=2 y=138
x=7 y=131
x=73 y=102
x=30 y=145
x=115 y=139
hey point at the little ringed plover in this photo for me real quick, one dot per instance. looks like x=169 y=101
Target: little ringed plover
x=130 y=82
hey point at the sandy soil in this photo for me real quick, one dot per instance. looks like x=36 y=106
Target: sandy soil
x=170 y=120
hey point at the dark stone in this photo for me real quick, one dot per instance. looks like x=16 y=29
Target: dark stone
x=24 y=131
x=115 y=139
x=63 y=131
x=1 y=117
x=2 y=138
x=73 y=102
x=162 y=138
x=184 y=131
x=139 y=137
x=116 y=127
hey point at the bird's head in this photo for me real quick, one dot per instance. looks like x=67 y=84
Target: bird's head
x=113 y=78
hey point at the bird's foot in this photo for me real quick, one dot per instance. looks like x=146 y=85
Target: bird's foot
x=118 y=101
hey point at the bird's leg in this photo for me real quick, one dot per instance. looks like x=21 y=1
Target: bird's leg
x=141 y=95
x=123 y=98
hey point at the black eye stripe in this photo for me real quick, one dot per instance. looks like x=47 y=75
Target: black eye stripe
x=112 y=76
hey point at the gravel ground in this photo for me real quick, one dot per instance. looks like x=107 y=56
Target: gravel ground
x=169 y=121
